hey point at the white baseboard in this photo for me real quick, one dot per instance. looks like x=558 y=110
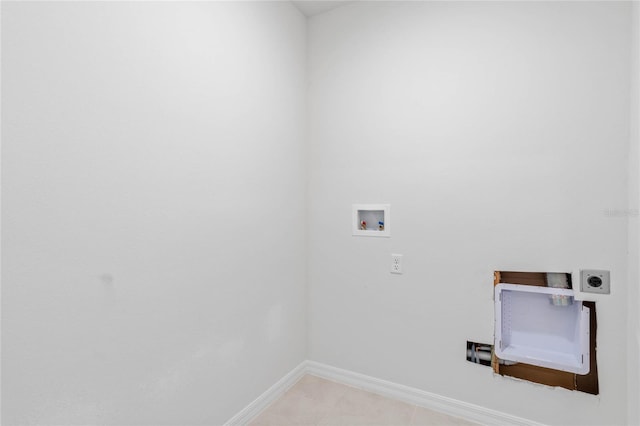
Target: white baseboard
x=249 y=412
x=442 y=404
x=453 y=407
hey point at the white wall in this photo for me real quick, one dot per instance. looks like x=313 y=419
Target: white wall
x=153 y=209
x=498 y=132
x=633 y=361
x=153 y=198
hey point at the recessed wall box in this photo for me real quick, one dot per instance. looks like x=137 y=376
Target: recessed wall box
x=530 y=329
x=371 y=220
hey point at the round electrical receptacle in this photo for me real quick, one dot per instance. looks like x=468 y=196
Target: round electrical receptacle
x=594 y=281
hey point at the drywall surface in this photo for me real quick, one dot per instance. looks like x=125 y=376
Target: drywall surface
x=153 y=209
x=498 y=132
x=633 y=358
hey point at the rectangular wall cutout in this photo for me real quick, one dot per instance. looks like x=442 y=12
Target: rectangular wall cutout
x=479 y=353
x=587 y=383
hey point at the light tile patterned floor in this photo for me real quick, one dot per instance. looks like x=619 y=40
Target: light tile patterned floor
x=320 y=402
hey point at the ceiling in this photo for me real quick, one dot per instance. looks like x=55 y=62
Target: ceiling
x=314 y=7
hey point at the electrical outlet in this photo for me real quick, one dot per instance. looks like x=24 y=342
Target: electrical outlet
x=396 y=264
x=595 y=281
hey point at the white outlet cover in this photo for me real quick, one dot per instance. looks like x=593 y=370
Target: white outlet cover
x=396 y=264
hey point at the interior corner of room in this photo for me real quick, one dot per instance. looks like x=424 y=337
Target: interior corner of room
x=435 y=202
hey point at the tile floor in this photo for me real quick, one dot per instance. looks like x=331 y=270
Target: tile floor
x=316 y=401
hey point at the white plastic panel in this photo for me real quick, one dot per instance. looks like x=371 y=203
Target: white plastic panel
x=532 y=330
